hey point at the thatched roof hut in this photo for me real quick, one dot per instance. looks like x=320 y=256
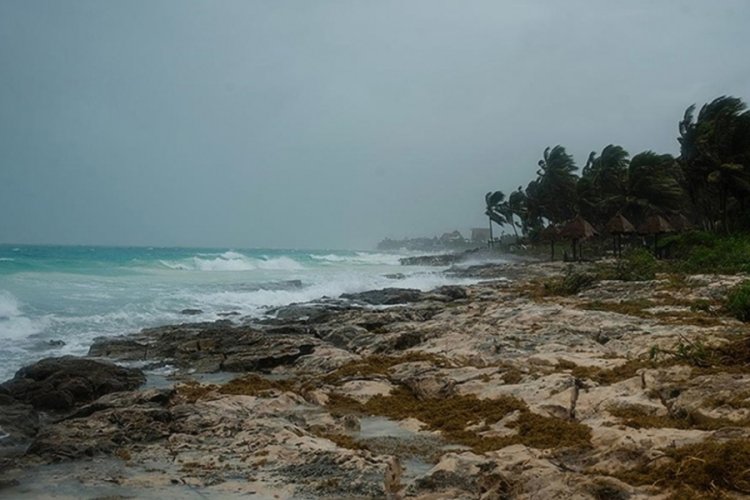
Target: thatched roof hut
x=578 y=229
x=679 y=222
x=656 y=224
x=619 y=225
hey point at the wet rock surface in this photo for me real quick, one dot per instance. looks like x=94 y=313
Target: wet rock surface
x=208 y=347
x=495 y=390
x=19 y=422
x=62 y=383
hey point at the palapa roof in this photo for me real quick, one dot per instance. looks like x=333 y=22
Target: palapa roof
x=578 y=228
x=655 y=224
x=619 y=225
x=679 y=222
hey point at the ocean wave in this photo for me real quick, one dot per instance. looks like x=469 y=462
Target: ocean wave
x=9 y=305
x=362 y=258
x=233 y=261
x=257 y=302
x=6 y=259
x=14 y=325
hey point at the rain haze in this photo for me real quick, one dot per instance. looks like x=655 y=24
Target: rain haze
x=328 y=124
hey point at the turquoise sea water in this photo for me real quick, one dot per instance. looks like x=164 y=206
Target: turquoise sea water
x=76 y=293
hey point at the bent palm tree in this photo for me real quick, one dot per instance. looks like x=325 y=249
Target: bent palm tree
x=494 y=210
x=653 y=186
x=603 y=181
x=715 y=155
x=556 y=184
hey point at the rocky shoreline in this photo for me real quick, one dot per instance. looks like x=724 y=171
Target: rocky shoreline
x=493 y=390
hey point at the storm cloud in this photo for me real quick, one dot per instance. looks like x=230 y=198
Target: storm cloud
x=328 y=124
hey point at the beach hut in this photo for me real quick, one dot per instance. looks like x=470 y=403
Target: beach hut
x=617 y=226
x=679 y=223
x=656 y=225
x=550 y=233
x=578 y=230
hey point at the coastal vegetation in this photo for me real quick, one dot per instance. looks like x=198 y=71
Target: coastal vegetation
x=702 y=194
x=738 y=301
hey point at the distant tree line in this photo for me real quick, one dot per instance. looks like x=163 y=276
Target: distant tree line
x=707 y=185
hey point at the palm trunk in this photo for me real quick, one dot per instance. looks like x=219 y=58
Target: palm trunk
x=723 y=201
x=513 y=223
x=489 y=243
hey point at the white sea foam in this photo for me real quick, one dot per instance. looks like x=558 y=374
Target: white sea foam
x=233 y=261
x=256 y=302
x=13 y=324
x=9 y=306
x=360 y=258
x=6 y=259
x=78 y=307
x=279 y=264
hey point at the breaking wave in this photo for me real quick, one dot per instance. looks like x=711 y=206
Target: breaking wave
x=365 y=258
x=14 y=325
x=233 y=261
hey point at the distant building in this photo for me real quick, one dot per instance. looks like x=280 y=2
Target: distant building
x=480 y=235
x=454 y=237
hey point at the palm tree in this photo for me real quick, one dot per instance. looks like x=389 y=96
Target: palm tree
x=647 y=184
x=517 y=207
x=715 y=156
x=603 y=180
x=654 y=186
x=494 y=210
x=556 y=183
x=532 y=215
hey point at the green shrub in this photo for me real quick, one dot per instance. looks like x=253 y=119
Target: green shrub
x=703 y=252
x=636 y=265
x=572 y=283
x=738 y=301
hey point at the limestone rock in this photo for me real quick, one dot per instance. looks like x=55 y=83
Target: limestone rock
x=19 y=422
x=63 y=383
x=386 y=296
x=112 y=422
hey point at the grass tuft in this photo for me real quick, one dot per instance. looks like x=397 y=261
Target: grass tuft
x=708 y=469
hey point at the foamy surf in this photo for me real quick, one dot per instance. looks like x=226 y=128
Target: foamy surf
x=232 y=261
x=14 y=325
x=363 y=258
x=56 y=300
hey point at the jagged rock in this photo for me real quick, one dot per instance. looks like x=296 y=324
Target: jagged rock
x=450 y=292
x=431 y=260
x=395 y=276
x=191 y=312
x=301 y=313
x=301 y=428
x=343 y=336
x=111 y=422
x=324 y=359
x=19 y=422
x=386 y=296
x=209 y=347
x=122 y=348
x=63 y=383
x=264 y=358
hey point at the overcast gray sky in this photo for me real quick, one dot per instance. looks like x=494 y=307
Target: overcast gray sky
x=329 y=124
